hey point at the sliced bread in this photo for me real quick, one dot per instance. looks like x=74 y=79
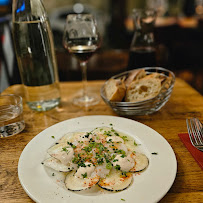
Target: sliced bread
x=134 y=76
x=143 y=89
x=115 y=90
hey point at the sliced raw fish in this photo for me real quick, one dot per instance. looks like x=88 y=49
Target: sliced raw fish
x=57 y=165
x=115 y=181
x=63 y=152
x=77 y=184
x=141 y=162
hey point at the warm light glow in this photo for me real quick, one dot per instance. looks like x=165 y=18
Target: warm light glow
x=199 y=9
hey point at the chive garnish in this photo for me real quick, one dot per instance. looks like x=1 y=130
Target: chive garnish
x=155 y=153
x=84 y=175
x=117 y=167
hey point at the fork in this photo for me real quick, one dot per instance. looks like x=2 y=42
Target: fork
x=195 y=132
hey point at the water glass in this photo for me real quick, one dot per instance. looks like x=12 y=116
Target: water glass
x=11 y=115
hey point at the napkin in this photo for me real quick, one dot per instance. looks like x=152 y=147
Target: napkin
x=198 y=155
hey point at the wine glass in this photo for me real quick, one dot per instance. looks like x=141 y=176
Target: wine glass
x=81 y=38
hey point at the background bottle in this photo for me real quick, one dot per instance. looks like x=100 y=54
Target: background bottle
x=35 y=54
x=142 y=50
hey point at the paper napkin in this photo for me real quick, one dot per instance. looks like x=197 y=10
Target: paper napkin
x=198 y=155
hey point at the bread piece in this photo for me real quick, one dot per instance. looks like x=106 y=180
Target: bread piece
x=157 y=76
x=115 y=89
x=134 y=76
x=143 y=89
x=166 y=83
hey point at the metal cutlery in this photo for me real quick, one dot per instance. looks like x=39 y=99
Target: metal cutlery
x=195 y=132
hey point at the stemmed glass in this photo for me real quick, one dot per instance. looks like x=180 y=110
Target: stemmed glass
x=82 y=39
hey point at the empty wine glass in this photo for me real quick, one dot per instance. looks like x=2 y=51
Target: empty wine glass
x=82 y=39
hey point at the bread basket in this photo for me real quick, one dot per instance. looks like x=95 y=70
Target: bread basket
x=145 y=107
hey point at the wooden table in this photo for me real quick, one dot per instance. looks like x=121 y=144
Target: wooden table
x=169 y=121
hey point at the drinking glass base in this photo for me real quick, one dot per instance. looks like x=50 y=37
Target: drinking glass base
x=12 y=129
x=85 y=101
x=44 y=105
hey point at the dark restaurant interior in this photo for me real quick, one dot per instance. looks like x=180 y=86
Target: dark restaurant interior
x=178 y=34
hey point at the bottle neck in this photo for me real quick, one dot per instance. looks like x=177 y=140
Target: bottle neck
x=28 y=10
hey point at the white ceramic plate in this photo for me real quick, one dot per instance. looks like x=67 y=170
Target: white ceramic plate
x=149 y=186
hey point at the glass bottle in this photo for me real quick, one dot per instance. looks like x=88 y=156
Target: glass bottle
x=142 y=50
x=35 y=54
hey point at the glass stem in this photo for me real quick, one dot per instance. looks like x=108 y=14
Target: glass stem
x=84 y=78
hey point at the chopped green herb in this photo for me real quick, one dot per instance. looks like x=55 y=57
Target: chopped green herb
x=155 y=153
x=79 y=161
x=65 y=149
x=87 y=135
x=120 y=151
x=125 y=138
x=135 y=143
x=108 y=165
x=110 y=140
x=84 y=175
x=72 y=145
x=108 y=133
x=82 y=164
x=87 y=149
x=52 y=136
x=114 y=132
x=98 y=156
x=115 y=160
x=101 y=147
x=123 y=199
x=124 y=173
x=100 y=161
x=117 y=167
x=111 y=124
x=53 y=174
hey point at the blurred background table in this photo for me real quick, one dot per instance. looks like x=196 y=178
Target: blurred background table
x=108 y=62
x=185 y=102
x=178 y=37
